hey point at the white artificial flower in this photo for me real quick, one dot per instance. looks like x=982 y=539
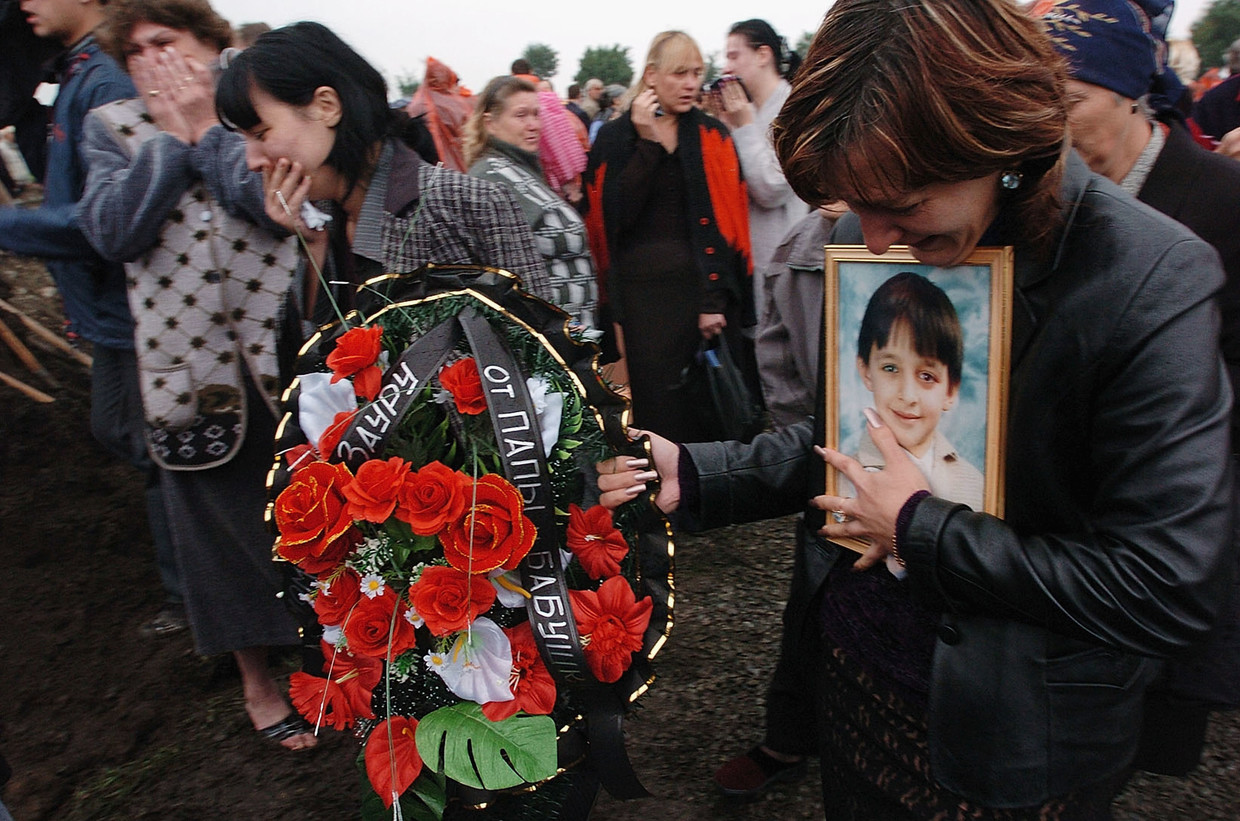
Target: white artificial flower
x=320 y=401
x=477 y=666
x=413 y=618
x=548 y=407
x=333 y=634
x=508 y=589
x=373 y=585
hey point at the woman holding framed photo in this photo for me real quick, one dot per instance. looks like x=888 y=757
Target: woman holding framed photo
x=1003 y=676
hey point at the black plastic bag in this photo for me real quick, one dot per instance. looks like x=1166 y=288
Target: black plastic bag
x=726 y=406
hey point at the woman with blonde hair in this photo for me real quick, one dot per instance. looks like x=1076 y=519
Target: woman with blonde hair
x=998 y=670
x=501 y=146
x=669 y=226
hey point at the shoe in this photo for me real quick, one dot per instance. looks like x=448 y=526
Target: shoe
x=747 y=776
x=169 y=620
x=291 y=725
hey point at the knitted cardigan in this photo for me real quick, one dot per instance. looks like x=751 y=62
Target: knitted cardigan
x=206 y=297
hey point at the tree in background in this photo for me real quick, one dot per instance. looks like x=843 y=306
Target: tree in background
x=542 y=58
x=408 y=84
x=802 y=46
x=608 y=63
x=710 y=71
x=1217 y=29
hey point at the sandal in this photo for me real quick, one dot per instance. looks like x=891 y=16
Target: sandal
x=747 y=776
x=291 y=725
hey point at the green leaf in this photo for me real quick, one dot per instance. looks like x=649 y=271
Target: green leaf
x=461 y=743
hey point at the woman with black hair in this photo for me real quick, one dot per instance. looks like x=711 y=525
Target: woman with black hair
x=317 y=124
x=761 y=60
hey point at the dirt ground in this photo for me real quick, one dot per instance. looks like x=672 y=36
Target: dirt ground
x=100 y=723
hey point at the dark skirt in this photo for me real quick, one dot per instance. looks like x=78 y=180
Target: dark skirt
x=223 y=546
x=876 y=759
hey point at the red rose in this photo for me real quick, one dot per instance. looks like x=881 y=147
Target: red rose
x=461 y=379
x=355 y=355
x=531 y=683
x=372 y=493
x=337 y=596
x=501 y=534
x=334 y=433
x=312 y=518
x=611 y=623
x=449 y=600
x=595 y=541
x=433 y=497
x=377 y=623
x=391 y=751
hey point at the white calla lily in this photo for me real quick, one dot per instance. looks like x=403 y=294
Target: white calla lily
x=477 y=666
x=320 y=401
x=549 y=407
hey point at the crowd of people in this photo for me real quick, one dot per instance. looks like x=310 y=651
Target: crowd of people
x=212 y=196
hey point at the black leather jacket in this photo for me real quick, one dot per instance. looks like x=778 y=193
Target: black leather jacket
x=1112 y=550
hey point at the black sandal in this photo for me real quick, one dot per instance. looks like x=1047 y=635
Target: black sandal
x=291 y=725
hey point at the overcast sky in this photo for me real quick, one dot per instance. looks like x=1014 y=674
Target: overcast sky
x=480 y=38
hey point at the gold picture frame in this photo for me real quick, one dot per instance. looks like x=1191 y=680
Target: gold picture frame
x=972 y=434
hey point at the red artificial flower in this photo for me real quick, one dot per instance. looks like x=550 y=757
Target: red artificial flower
x=448 y=600
x=334 y=433
x=595 y=541
x=343 y=589
x=316 y=531
x=392 y=758
x=320 y=701
x=377 y=624
x=530 y=680
x=355 y=355
x=462 y=380
x=298 y=457
x=372 y=493
x=611 y=623
x=355 y=675
x=431 y=498
x=493 y=533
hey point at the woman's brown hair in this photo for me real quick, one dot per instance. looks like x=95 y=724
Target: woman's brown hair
x=195 y=16
x=895 y=95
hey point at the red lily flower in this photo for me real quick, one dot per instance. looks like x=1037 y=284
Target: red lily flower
x=595 y=541
x=392 y=758
x=611 y=623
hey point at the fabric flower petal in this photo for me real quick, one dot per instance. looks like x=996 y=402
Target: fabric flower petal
x=320 y=401
x=392 y=759
x=549 y=408
x=477 y=665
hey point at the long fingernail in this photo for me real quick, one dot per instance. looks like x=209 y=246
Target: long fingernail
x=646 y=476
x=871 y=416
x=634 y=464
x=634 y=490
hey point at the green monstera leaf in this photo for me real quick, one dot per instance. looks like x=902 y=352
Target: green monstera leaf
x=461 y=743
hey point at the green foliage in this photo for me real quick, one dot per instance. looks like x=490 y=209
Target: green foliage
x=408 y=84
x=802 y=46
x=1217 y=29
x=542 y=58
x=464 y=745
x=711 y=71
x=611 y=64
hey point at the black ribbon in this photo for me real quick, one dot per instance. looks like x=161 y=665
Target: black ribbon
x=371 y=427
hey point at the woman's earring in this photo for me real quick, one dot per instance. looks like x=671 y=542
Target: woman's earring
x=1011 y=180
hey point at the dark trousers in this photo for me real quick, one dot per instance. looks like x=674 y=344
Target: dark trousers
x=117 y=422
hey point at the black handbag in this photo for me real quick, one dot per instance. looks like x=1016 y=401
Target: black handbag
x=727 y=408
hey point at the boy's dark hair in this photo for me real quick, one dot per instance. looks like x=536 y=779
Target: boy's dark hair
x=289 y=63
x=930 y=316
x=521 y=66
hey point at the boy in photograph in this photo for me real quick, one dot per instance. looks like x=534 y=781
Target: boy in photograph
x=910 y=354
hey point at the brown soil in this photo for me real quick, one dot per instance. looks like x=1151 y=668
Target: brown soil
x=100 y=723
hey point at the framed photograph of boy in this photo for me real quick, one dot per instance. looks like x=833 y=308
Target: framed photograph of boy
x=927 y=348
